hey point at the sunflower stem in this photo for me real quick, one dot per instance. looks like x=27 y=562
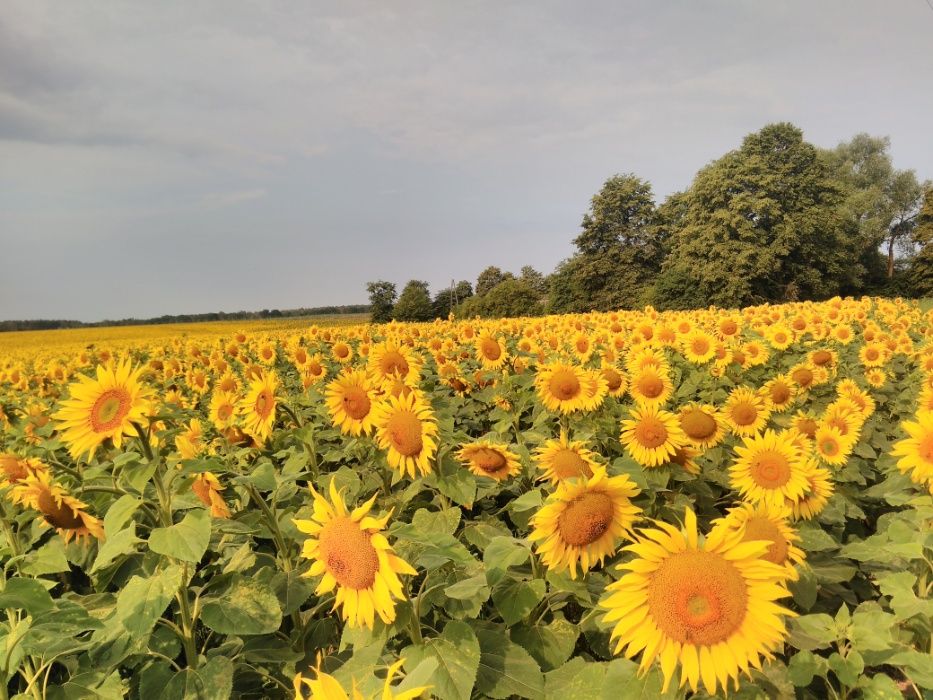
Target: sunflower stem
x=8 y=531
x=273 y=525
x=187 y=621
x=295 y=419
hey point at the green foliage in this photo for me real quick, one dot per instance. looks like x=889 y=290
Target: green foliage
x=489 y=278
x=511 y=298
x=381 y=300
x=761 y=224
x=445 y=299
x=414 y=303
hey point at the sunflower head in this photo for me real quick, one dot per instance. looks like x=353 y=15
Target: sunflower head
x=652 y=435
x=565 y=459
x=58 y=509
x=769 y=468
x=406 y=429
x=490 y=459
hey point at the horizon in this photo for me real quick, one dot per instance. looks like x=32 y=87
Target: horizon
x=169 y=159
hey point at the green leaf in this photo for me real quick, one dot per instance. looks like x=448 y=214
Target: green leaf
x=245 y=606
x=187 y=540
x=624 y=681
x=292 y=590
x=92 y=685
x=880 y=687
x=445 y=521
x=871 y=630
x=514 y=598
x=469 y=588
x=804 y=589
x=578 y=678
x=212 y=681
x=802 y=668
x=123 y=542
x=848 y=668
x=810 y=632
x=25 y=594
x=119 y=512
x=904 y=601
x=48 y=559
x=551 y=644
x=503 y=552
x=143 y=600
x=505 y=669
x=457 y=654
x=815 y=539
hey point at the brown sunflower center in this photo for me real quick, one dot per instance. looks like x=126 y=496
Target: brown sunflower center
x=404 y=431
x=700 y=346
x=650 y=432
x=356 y=402
x=568 y=464
x=264 y=403
x=315 y=369
x=225 y=411
x=57 y=514
x=807 y=426
x=341 y=350
x=393 y=362
x=744 y=413
x=871 y=353
x=586 y=519
x=490 y=349
x=759 y=527
x=348 y=553
x=728 y=327
x=109 y=410
x=780 y=393
x=697 y=598
x=925 y=448
x=770 y=469
x=12 y=468
x=698 y=424
x=564 y=384
x=650 y=385
x=829 y=446
x=613 y=379
x=803 y=376
x=489 y=460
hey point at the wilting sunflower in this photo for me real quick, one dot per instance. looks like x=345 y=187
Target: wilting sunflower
x=770 y=468
x=490 y=459
x=562 y=387
x=405 y=426
x=257 y=409
x=702 y=424
x=651 y=385
x=326 y=687
x=491 y=352
x=350 y=553
x=652 y=435
x=582 y=520
x=819 y=489
x=565 y=459
x=745 y=411
x=223 y=409
x=916 y=451
x=101 y=408
x=769 y=523
x=207 y=488
x=708 y=607
x=351 y=403
x=59 y=510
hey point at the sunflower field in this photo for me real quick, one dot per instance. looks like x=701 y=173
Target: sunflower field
x=623 y=505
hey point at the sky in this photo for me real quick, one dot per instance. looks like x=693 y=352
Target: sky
x=196 y=156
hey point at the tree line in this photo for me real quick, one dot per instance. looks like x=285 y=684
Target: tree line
x=43 y=324
x=776 y=220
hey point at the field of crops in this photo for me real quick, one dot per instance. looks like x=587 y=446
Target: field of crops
x=607 y=506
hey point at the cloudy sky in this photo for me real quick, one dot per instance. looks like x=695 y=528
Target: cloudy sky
x=196 y=156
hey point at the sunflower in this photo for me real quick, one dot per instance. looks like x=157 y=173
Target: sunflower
x=351 y=403
x=490 y=459
x=708 y=607
x=565 y=459
x=916 y=451
x=405 y=426
x=699 y=347
x=702 y=424
x=582 y=520
x=819 y=489
x=491 y=352
x=222 y=410
x=767 y=522
x=341 y=352
x=651 y=385
x=616 y=383
x=101 y=408
x=831 y=445
x=326 y=687
x=257 y=408
x=207 y=488
x=652 y=435
x=745 y=411
x=314 y=371
x=190 y=442
x=770 y=468
x=779 y=392
x=876 y=377
x=684 y=458
x=389 y=361
x=59 y=510
x=350 y=553
x=562 y=387
x=14 y=469
x=873 y=355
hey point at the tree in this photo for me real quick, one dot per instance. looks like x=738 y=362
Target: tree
x=381 y=300
x=446 y=298
x=761 y=224
x=414 y=303
x=565 y=295
x=920 y=272
x=510 y=298
x=489 y=278
x=534 y=279
x=619 y=252
x=906 y=196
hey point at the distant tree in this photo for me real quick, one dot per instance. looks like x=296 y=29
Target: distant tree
x=906 y=196
x=761 y=224
x=565 y=295
x=414 y=303
x=534 y=279
x=382 y=297
x=619 y=252
x=510 y=298
x=444 y=299
x=489 y=278
x=920 y=272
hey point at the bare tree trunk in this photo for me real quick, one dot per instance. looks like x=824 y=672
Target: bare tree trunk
x=891 y=257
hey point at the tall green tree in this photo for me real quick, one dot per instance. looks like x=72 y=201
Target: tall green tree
x=489 y=278
x=510 y=298
x=414 y=303
x=618 y=251
x=381 y=300
x=760 y=224
x=447 y=298
x=533 y=279
x=920 y=272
